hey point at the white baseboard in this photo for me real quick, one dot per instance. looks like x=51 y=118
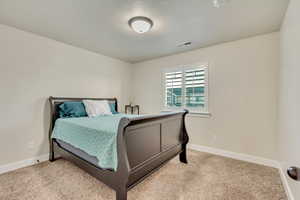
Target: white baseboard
x=238 y=156
x=248 y=158
x=285 y=183
x=23 y=163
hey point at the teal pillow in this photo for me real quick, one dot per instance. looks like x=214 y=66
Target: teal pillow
x=113 y=108
x=72 y=109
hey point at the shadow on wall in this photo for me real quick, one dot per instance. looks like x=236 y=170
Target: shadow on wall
x=44 y=148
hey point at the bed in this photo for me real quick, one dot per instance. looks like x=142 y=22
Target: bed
x=143 y=145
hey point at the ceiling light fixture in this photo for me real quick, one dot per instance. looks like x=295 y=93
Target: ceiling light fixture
x=140 y=24
x=219 y=3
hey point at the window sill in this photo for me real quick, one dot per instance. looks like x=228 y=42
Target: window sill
x=199 y=114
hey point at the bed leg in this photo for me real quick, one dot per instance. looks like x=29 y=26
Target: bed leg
x=51 y=154
x=182 y=156
x=121 y=193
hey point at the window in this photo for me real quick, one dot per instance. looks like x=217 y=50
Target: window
x=187 y=87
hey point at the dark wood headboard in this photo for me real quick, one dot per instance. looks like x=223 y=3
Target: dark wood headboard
x=56 y=101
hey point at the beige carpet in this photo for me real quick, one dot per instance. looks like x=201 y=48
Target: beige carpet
x=206 y=177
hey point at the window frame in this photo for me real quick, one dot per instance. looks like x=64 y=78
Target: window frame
x=183 y=68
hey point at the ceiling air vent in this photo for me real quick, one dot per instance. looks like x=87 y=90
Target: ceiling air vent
x=186 y=44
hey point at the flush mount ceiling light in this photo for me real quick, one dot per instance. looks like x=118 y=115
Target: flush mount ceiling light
x=219 y=3
x=140 y=24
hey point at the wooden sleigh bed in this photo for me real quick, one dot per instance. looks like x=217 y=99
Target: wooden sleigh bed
x=144 y=144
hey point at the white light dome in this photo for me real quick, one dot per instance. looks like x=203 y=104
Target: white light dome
x=220 y=3
x=140 y=24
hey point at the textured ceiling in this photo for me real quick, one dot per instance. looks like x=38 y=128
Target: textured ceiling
x=102 y=25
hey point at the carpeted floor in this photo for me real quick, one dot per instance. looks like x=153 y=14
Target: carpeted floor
x=206 y=177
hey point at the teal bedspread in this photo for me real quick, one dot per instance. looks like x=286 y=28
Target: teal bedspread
x=95 y=136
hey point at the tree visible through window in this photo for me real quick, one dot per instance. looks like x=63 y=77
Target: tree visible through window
x=174 y=89
x=187 y=88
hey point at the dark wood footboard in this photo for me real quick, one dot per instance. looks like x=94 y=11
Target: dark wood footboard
x=144 y=144
x=151 y=141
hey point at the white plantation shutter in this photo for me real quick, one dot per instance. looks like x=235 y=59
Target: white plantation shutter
x=195 y=82
x=173 y=82
x=187 y=88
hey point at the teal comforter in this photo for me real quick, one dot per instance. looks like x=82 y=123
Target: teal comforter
x=95 y=136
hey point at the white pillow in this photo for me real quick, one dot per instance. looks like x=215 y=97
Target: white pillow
x=95 y=108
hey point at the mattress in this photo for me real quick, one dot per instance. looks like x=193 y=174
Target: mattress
x=78 y=152
x=96 y=136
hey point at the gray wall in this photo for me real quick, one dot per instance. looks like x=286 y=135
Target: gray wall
x=289 y=104
x=243 y=91
x=31 y=69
